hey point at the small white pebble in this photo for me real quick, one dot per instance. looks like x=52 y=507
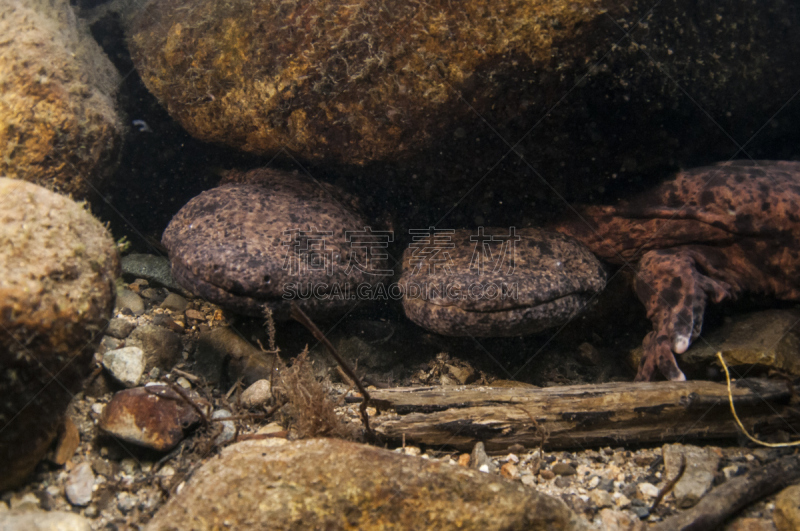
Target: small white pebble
x=411 y=450
x=512 y=458
x=97 y=409
x=484 y=468
x=594 y=482
x=183 y=382
x=648 y=489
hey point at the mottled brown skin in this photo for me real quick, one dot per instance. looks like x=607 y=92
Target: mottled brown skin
x=227 y=244
x=709 y=233
x=552 y=279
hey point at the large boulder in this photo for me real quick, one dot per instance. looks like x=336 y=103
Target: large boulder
x=59 y=126
x=333 y=484
x=57 y=271
x=589 y=95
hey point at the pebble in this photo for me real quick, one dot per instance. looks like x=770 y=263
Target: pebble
x=563 y=482
x=601 y=498
x=80 y=484
x=648 y=489
x=228 y=427
x=480 y=459
x=162 y=348
x=194 y=314
x=147 y=266
x=126 y=501
x=509 y=470
x=120 y=328
x=697 y=478
x=141 y=416
x=126 y=299
x=563 y=469
x=175 y=303
x=547 y=474
x=126 y=365
x=257 y=394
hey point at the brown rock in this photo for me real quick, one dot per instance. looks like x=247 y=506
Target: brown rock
x=222 y=354
x=698 y=475
x=58 y=124
x=162 y=348
x=437 y=82
x=787 y=509
x=57 y=269
x=333 y=484
x=752 y=524
x=68 y=440
x=153 y=416
x=770 y=339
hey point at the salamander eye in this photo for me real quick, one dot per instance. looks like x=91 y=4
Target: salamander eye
x=267 y=279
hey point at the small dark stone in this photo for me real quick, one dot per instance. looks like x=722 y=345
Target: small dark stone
x=641 y=512
x=606 y=484
x=120 y=328
x=564 y=469
x=563 y=482
x=154 y=294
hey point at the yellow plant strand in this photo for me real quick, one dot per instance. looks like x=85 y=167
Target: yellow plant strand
x=735 y=416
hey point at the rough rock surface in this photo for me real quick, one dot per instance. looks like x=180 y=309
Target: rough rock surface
x=57 y=270
x=698 y=476
x=43 y=521
x=59 y=126
x=570 y=85
x=153 y=416
x=333 y=484
x=767 y=339
x=787 y=509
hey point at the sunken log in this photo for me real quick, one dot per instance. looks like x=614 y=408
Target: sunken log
x=580 y=416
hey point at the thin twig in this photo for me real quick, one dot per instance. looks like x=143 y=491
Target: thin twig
x=671 y=483
x=300 y=316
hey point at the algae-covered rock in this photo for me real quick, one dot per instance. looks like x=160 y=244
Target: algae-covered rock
x=333 y=484
x=588 y=92
x=766 y=339
x=59 y=126
x=57 y=269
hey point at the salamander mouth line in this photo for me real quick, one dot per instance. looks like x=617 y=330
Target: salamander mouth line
x=511 y=308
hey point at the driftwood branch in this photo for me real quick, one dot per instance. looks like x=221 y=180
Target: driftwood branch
x=581 y=416
x=729 y=498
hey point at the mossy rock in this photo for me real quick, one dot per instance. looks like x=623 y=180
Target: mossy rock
x=590 y=94
x=57 y=270
x=59 y=126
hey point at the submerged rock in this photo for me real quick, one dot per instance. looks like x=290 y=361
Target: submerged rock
x=333 y=484
x=153 y=416
x=595 y=92
x=57 y=270
x=59 y=125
